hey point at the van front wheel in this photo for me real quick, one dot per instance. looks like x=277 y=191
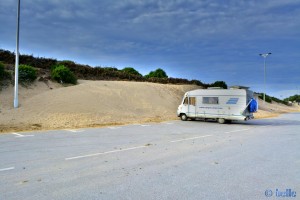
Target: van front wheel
x=183 y=117
x=221 y=120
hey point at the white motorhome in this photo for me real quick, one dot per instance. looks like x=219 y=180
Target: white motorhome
x=224 y=105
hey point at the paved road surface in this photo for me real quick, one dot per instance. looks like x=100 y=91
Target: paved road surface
x=171 y=160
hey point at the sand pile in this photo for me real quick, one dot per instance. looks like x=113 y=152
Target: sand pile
x=97 y=103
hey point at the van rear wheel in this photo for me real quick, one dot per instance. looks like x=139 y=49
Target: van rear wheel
x=221 y=120
x=183 y=117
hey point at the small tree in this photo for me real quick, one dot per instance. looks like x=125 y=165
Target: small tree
x=159 y=73
x=132 y=71
x=62 y=74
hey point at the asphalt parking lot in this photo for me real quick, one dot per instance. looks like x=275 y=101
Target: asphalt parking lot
x=256 y=159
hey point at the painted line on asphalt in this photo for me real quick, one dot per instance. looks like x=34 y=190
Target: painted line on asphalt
x=20 y=135
x=264 y=126
x=237 y=130
x=107 y=152
x=112 y=128
x=145 y=125
x=7 y=169
x=193 y=138
x=74 y=130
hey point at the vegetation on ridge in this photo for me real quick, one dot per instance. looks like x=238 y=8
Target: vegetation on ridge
x=71 y=71
x=93 y=73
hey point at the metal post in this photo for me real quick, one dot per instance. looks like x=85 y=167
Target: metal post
x=265 y=87
x=264 y=55
x=16 y=101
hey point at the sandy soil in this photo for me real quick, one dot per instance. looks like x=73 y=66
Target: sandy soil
x=267 y=110
x=89 y=104
x=97 y=103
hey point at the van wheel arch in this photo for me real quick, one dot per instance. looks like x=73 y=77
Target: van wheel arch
x=221 y=120
x=183 y=117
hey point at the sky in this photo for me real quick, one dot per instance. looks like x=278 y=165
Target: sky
x=206 y=40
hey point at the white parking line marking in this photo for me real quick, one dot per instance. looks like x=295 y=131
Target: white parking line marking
x=264 y=126
x=107 y=152
x=114 y=128
x=238 y=130
x=144 y=125
x=193 y=138
x=20 y=135
x=74 y=130
x=7 y=169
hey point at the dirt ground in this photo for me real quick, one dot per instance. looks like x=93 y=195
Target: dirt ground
x=98 y=103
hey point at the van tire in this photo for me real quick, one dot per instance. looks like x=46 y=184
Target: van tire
x=183 y=117
x=221 y=121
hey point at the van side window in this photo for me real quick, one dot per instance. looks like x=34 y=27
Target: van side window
x=210 y=100
x=193 y=101
x=190 y=101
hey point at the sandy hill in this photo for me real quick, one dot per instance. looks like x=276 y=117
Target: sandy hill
x=97 y=103
x=90 y=103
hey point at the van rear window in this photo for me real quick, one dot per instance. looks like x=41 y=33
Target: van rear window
x=210 y=100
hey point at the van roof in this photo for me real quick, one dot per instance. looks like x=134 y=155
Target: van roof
x=216 y=92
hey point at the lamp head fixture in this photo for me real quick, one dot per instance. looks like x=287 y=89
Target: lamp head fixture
x=265 y=54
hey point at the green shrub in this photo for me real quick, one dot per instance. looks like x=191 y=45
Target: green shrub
x=159 y=73
x=131 y=71
x=221 y=84
x=293 y=98
x=268 y=98
x=27 y=73
x=62 y=74
x=2 y=72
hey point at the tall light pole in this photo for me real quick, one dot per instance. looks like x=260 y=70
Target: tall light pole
x=265 y=55
x=16 y=101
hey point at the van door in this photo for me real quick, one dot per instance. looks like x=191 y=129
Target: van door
x=192 y=107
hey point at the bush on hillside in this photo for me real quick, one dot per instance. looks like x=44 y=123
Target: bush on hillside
x=93 y=73
x=27 y=74
x=197 y=82
x=221 y=84
x=269 y=99
x=159 y=73
x=62 y=74
x=295 y=98
x=131 y=71
x=3 y=73
x=5 y=76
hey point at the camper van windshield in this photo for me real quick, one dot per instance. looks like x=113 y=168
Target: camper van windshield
x=210 y=100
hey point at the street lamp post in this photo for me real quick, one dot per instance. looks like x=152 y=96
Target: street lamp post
x=16 y=101
x=264 y=55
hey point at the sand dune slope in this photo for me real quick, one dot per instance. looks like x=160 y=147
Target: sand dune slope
x=98 y=103
x=90 y=103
